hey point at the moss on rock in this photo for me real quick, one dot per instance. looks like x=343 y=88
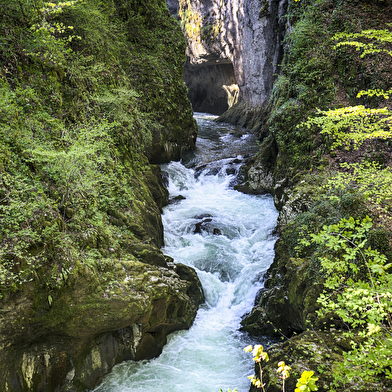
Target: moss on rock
x=83 y=283
x=92 y=312
x=301 y=166
x=311 y=351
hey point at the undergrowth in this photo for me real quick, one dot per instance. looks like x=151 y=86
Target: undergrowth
x=85 y=88
x=330 y=106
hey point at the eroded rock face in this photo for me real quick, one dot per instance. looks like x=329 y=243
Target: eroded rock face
x=67 y=339
x=288 y=302
x=70 y=344
x=212 y=87
x=246 y=34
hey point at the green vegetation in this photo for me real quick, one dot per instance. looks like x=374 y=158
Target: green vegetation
x=91 y=95
x=371 y=179
x=356 y=277
x=306 y=383
x=196 y=27
x=355 y=124
x=331 y=124
x=320 y=76
x=352 y=125
x=358 y=290
x=86 y=89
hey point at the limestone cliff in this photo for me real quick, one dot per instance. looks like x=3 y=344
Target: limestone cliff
x=234 y=49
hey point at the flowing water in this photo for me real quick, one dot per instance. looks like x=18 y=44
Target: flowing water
x=227 y=237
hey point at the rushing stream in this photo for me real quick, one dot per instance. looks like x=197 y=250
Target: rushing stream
x=227 y=237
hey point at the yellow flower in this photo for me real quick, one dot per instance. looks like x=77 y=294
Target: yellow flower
x=248 y=349
x=284 y=369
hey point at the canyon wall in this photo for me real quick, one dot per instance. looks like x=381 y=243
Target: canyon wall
x=85 y=110
x=234 y=49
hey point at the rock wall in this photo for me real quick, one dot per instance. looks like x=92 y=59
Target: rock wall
x=121 y=311
x=212 y=87
x=173 y=6
x=246 y=34
x=83 y=282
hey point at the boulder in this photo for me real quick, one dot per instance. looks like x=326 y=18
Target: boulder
x=70 y=341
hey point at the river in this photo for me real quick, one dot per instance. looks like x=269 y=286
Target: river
x=227 y=237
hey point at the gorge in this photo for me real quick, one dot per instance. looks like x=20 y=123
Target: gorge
x=92 y=101
x=234 y=50
x=212 y=228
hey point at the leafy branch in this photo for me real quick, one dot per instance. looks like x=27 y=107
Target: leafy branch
x=371 y=180
x=353 y=124
x=358 y=290
x=367 y=48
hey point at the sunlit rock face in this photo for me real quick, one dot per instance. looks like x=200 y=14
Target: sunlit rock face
x=245 y=34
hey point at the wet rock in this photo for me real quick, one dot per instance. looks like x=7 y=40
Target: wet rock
x=195 y=290
x=156 y=184
x=199 y=169
x=288 y=303
x=165 y=178
x=258 y=175
x=202 y=216
x=213 y=172
x=260 y=179
x=296 y=203
x=70 y=344
x=176 y=199
x=205 y=225
x=202 y=226
x=231 y=171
